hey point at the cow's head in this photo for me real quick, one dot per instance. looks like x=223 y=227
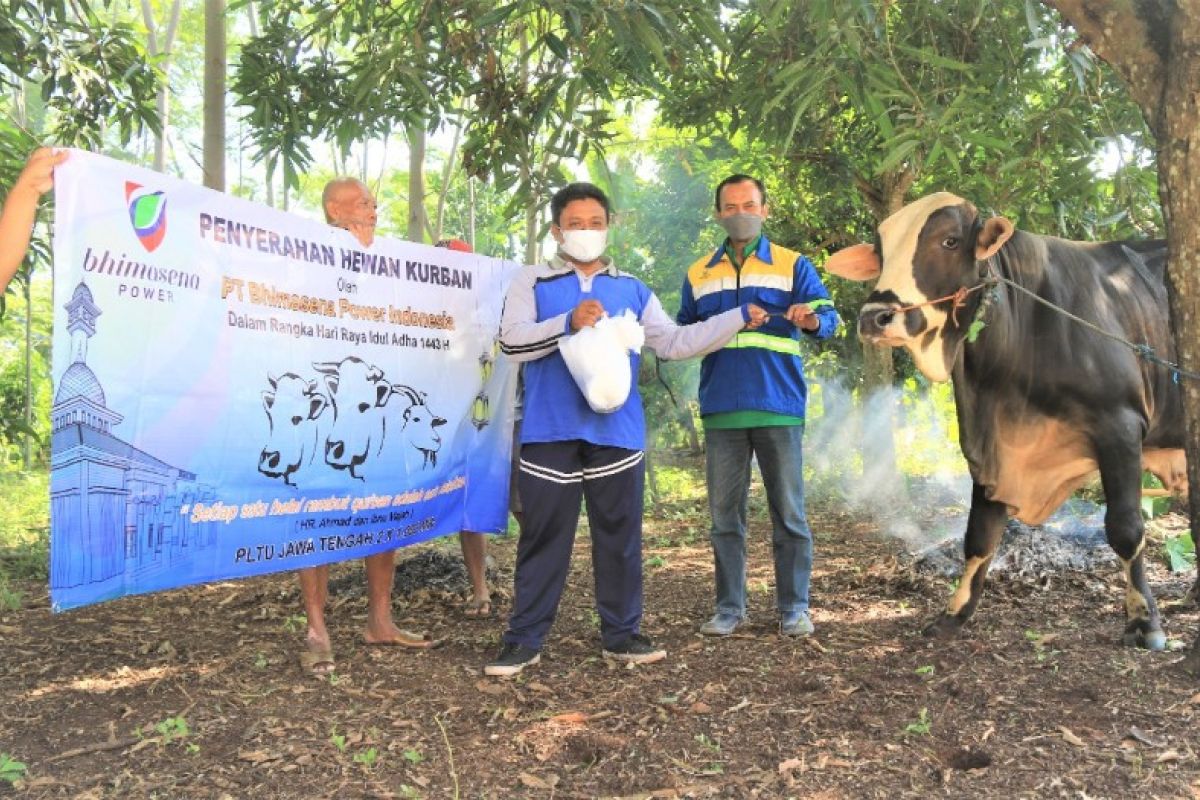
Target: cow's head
x=420 y=424
x=357 y=392
x=927 y=250
x=292 y=404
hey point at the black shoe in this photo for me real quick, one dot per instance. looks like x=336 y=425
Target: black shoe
x=512 y=659
x=637 y=649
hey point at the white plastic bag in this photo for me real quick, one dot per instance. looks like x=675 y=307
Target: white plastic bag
x=598 y=358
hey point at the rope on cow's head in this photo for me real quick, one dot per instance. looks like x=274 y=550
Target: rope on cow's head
x=958 y=300
x=993 y=280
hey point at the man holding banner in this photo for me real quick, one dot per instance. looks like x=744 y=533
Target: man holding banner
x=349 y=204
x=570 y=452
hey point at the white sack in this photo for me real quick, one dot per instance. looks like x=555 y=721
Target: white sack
x=598 y=358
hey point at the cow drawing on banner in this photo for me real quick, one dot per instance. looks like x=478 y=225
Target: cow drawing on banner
x=352 y=413
x=357 y=393
x=1043 y=401
x=293 y=406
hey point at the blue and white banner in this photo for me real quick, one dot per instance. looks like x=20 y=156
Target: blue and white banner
x=239 y=390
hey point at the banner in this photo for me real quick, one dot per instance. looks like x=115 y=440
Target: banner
x=239 y=390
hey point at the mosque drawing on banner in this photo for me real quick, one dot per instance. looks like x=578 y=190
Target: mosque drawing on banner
x=114 y=509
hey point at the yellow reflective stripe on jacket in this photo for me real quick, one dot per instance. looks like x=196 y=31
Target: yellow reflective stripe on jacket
x=766 y=341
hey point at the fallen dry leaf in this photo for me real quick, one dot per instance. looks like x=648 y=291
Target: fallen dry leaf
x=699 y=707
x=570 y=718
x=1069 y=737
x=1169 y=755
x=790 y=764
x=491 y=687
x=1137 y=735
x=257 y=756
x=534 y=782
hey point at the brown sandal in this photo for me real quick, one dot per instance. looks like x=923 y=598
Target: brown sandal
x=317 y=662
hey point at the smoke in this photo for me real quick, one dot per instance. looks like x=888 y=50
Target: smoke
x=891 y=458
x=920 y=493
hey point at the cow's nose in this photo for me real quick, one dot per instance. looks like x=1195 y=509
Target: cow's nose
x=873 y=321
x=334 y=449
x=438 y=421
x=269 y=459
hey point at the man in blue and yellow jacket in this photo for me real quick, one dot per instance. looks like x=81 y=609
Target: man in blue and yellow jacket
x=752 y=400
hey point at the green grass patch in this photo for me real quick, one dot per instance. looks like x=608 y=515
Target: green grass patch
x=24 y=526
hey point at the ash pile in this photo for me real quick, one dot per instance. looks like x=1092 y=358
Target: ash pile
x=431 y=570
x=1071 y=540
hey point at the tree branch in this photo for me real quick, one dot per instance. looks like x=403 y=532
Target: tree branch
x=1130 y=38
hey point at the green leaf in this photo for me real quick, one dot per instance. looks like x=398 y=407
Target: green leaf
x=1181 y=552
x=556 y=45
x=897 y=155
x=934 y=59
x=495 y=16
x=973 y=331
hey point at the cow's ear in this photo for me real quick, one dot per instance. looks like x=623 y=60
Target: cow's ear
x=268 y=400
x=992 y=236
x=316 y=404
x=331 y=382
x=382 y=392
x=374 y=373
x=857 y=263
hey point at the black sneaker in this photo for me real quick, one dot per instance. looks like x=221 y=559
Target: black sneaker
x=637 y=649
x=512 y=659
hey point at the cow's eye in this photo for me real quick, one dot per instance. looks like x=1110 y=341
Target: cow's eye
x=362 y=407
x=950 y=243
x=297 y=419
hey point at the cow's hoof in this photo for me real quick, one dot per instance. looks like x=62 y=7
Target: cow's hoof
x=1148 y=640
x=944 y=627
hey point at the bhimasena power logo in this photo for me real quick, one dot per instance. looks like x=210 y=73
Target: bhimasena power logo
x=147 y=213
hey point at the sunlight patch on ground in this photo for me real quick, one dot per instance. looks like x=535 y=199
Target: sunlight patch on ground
x=122 y=678
x=870 y=613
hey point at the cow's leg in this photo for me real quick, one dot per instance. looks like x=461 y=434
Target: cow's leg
x=1121 y=476
x=1191 y=664
x=985 y=527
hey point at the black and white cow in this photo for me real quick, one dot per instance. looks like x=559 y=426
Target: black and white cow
x=293 y=406
x=1042 y=401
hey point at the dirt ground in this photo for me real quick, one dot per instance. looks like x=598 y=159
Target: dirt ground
x=197 y=692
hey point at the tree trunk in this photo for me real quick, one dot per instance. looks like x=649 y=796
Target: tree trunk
x=1155 y=49
x=1178 y=134
x=651 y=473
x=214 y=94
x=417 y=221
x=27 y=450
x=163 y=103
x=471 y=212
x=532 y=249
x=879 y=375
x=444 y=191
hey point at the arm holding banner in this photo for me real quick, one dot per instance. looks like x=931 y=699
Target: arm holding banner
x=672 y=342
x=20 y=207
x=522 y=337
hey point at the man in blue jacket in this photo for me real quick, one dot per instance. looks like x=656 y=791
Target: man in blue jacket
x=570 y=452
x=752 y=400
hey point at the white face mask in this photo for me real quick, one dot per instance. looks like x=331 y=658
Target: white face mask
x=584 y=246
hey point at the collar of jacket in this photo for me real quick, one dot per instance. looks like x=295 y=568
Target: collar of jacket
x=763 y=253
x=556 y=262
